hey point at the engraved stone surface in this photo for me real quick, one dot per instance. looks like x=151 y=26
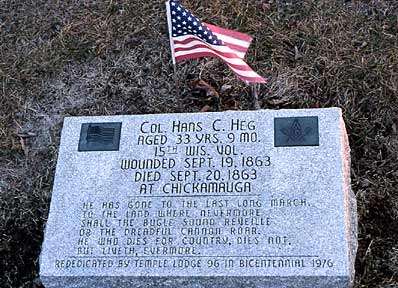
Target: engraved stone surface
x=204 y=200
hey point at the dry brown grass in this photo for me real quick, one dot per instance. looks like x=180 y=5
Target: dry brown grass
x=61 y=58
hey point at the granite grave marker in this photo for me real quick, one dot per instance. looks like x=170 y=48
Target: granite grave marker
x=260 y=199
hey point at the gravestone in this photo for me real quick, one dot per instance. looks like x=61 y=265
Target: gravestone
x=232 y=199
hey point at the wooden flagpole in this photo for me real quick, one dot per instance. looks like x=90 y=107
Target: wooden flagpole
x=176 y=81
x=254 y=96
x=177 y=84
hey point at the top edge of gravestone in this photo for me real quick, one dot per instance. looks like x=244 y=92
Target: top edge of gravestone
x=280 y=112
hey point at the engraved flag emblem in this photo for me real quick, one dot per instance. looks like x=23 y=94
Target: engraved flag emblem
x=99 y=134
x=100 y=137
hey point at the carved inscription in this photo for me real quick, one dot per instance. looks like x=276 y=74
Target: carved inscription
x=198 y=200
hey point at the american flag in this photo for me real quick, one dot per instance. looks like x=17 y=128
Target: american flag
x=190 y=38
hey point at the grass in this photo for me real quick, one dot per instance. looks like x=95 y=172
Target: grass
x=63 y=58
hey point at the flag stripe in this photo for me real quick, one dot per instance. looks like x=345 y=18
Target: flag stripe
x=179 y=48
x=231 y=33
x=236 y=62
x=247 y=75
x=256 y=78
x=235 y=59
x=185 y=40
x=237 y=48
x=230 y=40
x=194 y=43
x=244 y=73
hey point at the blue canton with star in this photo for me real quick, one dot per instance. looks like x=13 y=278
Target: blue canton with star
x=184 y=23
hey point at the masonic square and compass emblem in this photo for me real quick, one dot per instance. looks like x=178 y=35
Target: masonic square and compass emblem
x=296 y=131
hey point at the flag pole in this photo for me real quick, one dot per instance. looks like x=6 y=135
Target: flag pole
x=254 y=96
x=177 y=83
